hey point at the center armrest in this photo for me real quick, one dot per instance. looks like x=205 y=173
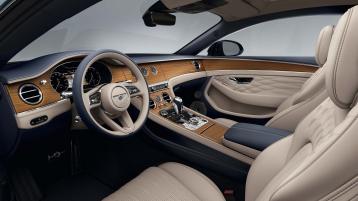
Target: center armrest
x=257 y=137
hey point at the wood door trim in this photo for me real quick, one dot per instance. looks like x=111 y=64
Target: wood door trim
x=238 y=64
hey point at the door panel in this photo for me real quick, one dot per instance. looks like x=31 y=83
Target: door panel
x=252 y=95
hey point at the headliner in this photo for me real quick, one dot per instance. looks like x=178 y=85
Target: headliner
x=240 y=9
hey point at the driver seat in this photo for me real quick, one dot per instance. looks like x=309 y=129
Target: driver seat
x=318 y=162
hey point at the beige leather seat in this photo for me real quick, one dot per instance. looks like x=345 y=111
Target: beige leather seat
x=312 y=93
x=318 y=162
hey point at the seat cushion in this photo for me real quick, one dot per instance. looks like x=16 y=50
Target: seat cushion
x=169 y=181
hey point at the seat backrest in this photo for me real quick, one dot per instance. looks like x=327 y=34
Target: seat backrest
x=319 y=161
x=312 y=93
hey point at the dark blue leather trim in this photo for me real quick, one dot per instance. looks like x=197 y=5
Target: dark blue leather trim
x=255 y=136
x=33 y=68
x=9 y=135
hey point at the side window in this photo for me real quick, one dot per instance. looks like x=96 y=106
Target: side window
x=286 y=37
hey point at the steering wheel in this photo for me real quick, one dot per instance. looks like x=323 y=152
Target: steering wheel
x=105 y=107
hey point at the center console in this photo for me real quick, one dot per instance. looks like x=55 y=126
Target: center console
x=179 y=115
x=168 y=109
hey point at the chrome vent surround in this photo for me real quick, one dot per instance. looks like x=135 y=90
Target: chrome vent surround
x=197 y=65
x=152 y=104
x=166 y=97
x=30 y=94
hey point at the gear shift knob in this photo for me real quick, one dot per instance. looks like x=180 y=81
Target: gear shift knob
x=178 y=104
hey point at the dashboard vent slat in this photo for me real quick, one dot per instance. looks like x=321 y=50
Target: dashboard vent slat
x=30 y=94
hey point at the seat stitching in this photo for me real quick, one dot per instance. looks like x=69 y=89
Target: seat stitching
x=176 y=178
x=319 y=48
x=344 y=190
x=292 y=110
x=198 y=173
x=338 y=57
x=317 y=158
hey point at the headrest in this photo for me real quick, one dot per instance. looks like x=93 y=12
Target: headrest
x=342 y=62
x=322 y=45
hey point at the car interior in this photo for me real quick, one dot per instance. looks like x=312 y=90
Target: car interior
x=168 y=100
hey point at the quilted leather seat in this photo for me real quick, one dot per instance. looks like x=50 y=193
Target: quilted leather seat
x=311 y=94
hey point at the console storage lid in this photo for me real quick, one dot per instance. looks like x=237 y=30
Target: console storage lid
x=252 y=137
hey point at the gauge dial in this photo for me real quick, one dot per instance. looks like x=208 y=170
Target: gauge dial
x=154 y=70
x=144 y=71
x=59 y=82
x=93 y=77
x=63 y=75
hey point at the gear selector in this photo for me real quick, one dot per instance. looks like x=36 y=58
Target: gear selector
x=179 y=115
x=178 y=105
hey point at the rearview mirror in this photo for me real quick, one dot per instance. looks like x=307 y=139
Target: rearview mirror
x=152 y=19
x=225 y=48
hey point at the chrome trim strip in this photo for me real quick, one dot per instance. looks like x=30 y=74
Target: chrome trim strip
x=26 y=100
x=7 y=6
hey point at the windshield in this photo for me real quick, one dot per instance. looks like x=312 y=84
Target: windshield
x=118 y=25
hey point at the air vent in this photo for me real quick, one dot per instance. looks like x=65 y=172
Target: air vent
x=151 y=104
x=197 y=65
x=30 y=94
x=166 y=97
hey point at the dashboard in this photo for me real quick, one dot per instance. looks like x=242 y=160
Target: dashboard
x=36 y=94
x=50 y=81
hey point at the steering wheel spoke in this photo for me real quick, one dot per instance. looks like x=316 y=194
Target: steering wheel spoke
x=94 y=97
x=134 y=88
x=125 y=119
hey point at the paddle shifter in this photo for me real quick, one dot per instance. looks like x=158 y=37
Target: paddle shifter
x=178 y=105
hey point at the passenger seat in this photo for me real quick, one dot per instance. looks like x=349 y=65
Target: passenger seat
x=312 y=93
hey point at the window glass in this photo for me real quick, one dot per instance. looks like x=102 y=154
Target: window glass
x=118 y=25
x=294 y=36
x=3 y=3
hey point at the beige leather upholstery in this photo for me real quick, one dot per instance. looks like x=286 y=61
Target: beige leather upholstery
x=247 y=151
x=312 y=93
x=318 y=162
x=322 y=45
x=292 y=110
x=342 y=82
x=169 y=181
x=226 y=122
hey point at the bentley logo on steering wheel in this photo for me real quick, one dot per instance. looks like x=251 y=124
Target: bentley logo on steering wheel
x=120 y=96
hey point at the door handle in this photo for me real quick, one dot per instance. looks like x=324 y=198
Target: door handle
x=242 y=80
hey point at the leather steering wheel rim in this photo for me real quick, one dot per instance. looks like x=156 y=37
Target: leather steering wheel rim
x=110 y=101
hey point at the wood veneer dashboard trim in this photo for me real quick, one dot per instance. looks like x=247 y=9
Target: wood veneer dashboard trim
x=49 y=94
x=169 y=69
x=166 y=71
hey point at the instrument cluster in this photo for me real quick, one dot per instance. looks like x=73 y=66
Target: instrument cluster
x=63 y=75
